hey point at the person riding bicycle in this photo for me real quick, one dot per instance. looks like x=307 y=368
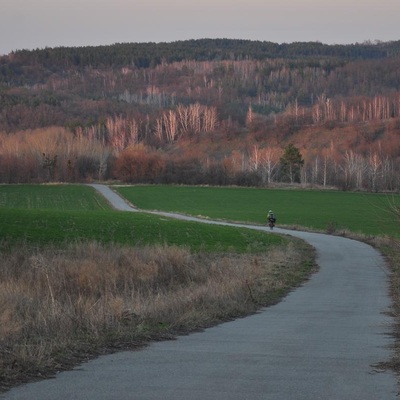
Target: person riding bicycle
x=271 y=217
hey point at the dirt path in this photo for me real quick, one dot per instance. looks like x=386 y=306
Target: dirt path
x=323 y=341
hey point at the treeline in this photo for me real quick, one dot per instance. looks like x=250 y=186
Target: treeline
x=56 y=154
x=145 y=55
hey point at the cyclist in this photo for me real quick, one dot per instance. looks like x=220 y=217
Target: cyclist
x=271 y=218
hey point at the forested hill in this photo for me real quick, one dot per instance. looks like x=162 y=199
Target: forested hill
x=144 y=55
x=202 y=111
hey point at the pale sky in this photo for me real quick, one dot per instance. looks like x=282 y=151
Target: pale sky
x=30 y=24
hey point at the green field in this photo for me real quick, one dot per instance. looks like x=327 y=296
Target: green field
x=55 y=213
x=358 y=212
x=51 y=197
x=59 y=213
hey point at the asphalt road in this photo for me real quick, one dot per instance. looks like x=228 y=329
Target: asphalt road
x=323 y=341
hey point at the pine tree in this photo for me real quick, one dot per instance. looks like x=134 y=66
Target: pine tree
x=291 y=163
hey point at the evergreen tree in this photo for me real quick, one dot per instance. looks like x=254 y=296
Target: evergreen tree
x=291 y=163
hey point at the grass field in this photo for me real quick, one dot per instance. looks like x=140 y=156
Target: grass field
x=55 y=214
x=358 y=212
x=51 y=197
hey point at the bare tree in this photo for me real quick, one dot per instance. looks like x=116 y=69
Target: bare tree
x=375 y=169
x=183 y=118
x=249 y=116
x=171 y=125
x=317 y=114
x=195 y=117
x=210 y=119
x=159 y=129
x=255 y=158
x=270 y=162
x=354 y=169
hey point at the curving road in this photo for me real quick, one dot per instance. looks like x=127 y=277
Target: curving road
x=322 y=341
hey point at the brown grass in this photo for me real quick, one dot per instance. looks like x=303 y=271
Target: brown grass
x=60 y=306
x=390 y=247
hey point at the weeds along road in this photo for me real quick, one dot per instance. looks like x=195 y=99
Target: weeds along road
x=323 y=341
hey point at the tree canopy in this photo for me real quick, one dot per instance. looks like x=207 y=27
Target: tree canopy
x=291 y=163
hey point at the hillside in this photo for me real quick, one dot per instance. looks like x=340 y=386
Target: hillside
x=202 y=111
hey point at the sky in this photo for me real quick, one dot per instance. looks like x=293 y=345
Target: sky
x=31 y=24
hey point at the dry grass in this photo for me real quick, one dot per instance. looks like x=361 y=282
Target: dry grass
x=390 y=247
x=60 y=306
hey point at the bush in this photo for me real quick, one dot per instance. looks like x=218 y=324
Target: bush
x=139 y=164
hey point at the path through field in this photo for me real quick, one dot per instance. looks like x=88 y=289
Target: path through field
x=323 y=341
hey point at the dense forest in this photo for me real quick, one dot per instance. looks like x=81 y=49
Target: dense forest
x=211 y=111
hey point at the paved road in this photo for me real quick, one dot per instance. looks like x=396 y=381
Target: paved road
x=113 y=198
x=321 y=342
